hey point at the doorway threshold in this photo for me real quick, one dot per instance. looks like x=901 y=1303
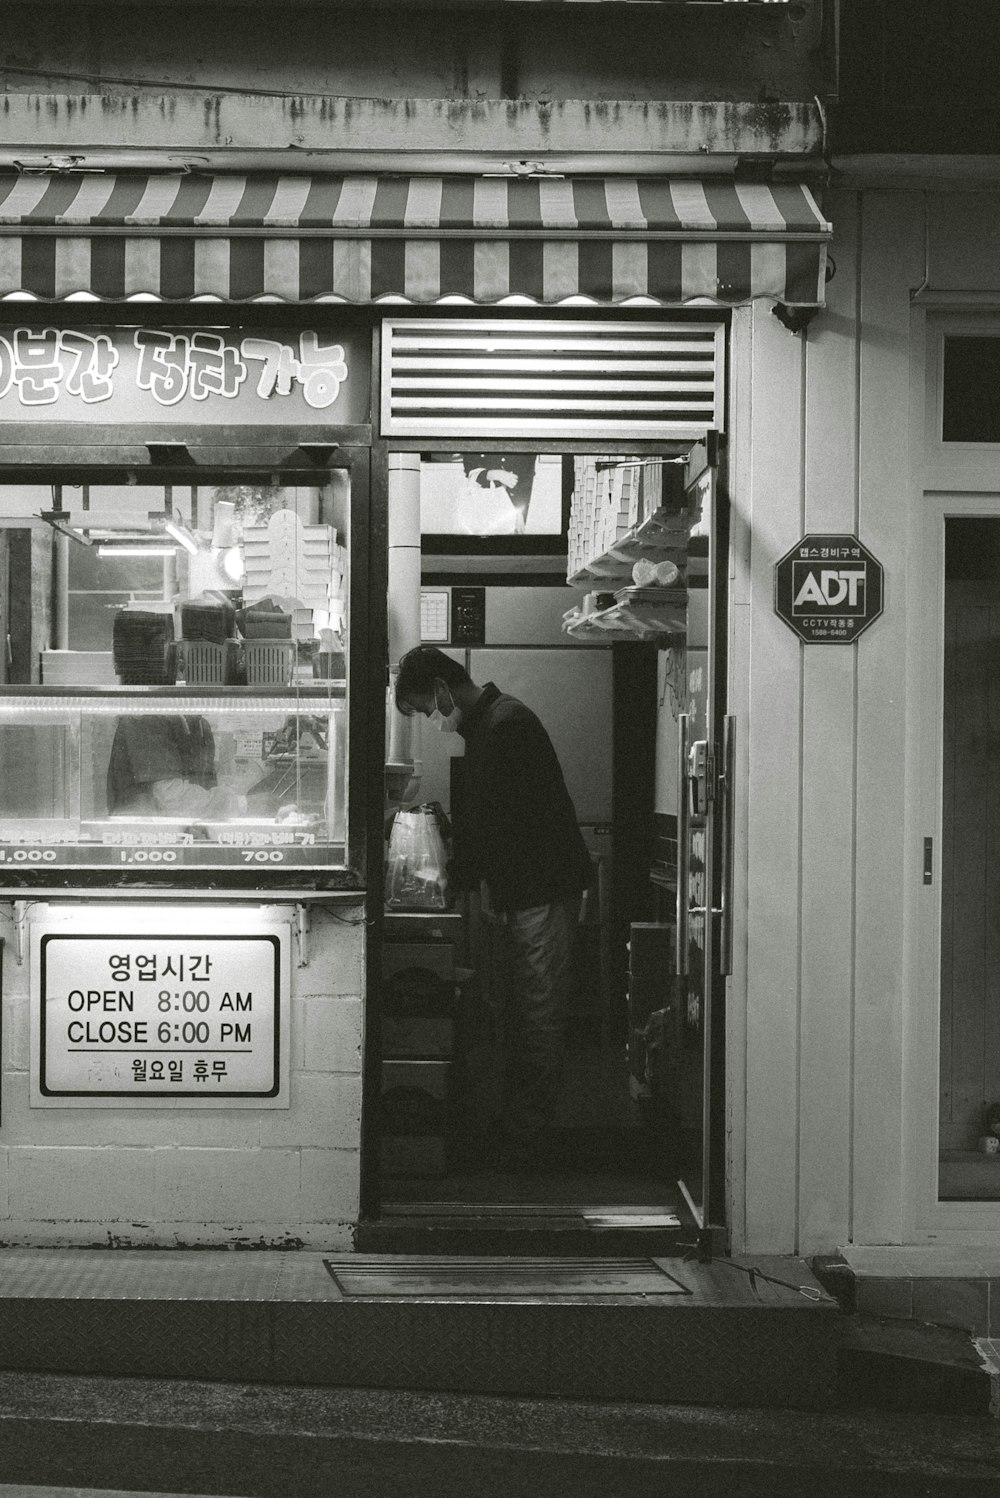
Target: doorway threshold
x=525 y=1227
x=550 y=1212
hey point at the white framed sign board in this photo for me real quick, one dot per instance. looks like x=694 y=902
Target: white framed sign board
x=164 y=1009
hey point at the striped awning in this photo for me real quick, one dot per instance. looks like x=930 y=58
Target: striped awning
x=267 y=237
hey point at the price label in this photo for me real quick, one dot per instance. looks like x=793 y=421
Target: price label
x=24 y=855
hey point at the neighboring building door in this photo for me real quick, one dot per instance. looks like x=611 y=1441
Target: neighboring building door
x=953 y=1051
x=961 y=851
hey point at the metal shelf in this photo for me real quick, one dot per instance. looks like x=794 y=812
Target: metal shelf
x=162 y=894
x=602 y=626
x=644 y=617
x=422 y=924
x=313 y=690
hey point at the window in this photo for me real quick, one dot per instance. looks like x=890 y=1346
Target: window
x=971 y=389
x=175 y=684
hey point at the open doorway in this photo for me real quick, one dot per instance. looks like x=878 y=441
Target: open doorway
x=604 y=663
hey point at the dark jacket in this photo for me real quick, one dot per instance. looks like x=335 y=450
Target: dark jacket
x=513 y=821
x=147 y=749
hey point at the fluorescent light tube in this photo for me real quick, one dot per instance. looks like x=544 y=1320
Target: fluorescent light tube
x=136 y=551
x=183 y=535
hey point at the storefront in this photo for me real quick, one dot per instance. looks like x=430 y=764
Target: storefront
x=212 y=483
x=177 y=780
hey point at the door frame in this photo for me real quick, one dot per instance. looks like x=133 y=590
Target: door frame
x=716 y=1213
x=926 y=1219
x=945 y=479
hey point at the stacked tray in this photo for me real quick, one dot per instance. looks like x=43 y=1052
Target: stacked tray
x=143 y=648
x=265 y=620
x=207 y=619
x=662 y=610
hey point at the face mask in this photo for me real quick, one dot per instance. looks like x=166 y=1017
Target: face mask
x=444 y=722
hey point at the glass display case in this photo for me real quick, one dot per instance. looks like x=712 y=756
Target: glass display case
x=174 y=689
x=171 y=778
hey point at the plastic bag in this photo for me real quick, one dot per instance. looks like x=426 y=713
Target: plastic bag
x=415 y=874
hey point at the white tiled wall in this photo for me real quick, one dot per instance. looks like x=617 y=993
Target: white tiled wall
x=275 y=1177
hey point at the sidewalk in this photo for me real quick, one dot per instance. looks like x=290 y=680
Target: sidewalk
x=655 y=1330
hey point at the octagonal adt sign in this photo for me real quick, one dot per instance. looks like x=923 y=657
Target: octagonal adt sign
x=828 y=589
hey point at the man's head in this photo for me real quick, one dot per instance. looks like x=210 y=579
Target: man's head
x=431 y=683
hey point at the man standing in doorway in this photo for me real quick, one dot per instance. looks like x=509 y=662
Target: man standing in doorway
x=515 y=830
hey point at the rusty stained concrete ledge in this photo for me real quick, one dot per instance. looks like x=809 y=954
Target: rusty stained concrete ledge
x=301 y=132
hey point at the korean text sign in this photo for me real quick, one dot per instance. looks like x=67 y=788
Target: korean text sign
x=828 y=589
x=151 y=1017
x=170 y=374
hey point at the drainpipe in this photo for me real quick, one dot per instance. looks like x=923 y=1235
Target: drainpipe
x=403 y=733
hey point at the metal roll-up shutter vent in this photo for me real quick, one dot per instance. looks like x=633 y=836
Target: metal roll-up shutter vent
x=522 y=379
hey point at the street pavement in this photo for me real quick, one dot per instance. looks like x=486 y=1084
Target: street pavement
x=22 y=1490
x=74 y=1436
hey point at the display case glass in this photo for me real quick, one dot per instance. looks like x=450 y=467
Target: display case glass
x=174 y=689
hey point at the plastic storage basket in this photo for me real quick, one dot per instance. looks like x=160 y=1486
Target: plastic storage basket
x=203 y=663
x=269 y=663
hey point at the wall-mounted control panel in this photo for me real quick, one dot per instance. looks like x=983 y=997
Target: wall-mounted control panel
x=453 y=616
x=468 y=616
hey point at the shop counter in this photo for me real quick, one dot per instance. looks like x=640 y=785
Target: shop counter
x=172 y=777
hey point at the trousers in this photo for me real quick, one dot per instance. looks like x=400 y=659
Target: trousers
x=538 y=945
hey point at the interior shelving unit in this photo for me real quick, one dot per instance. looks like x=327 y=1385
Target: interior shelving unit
x=606 y=540
x=636 y=614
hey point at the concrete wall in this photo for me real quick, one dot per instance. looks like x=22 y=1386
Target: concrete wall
x=298 y=87
x=669 y=52
x=212 y=1177
x=301 y=133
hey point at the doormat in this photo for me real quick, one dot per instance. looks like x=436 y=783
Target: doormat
x=470 y=1277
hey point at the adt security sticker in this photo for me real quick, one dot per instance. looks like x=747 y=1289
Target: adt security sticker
x=828 y=589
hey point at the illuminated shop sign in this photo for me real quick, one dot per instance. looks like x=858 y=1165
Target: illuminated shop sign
x=159 y=1018
x=130 y=374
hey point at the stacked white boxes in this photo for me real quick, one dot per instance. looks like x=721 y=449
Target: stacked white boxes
x=288 y=559
x=606 y=505
x=651 y=498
